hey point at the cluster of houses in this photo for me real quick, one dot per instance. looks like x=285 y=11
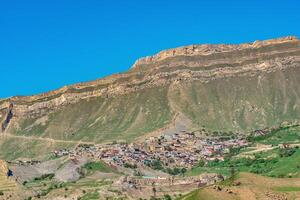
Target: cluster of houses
x=183 y=150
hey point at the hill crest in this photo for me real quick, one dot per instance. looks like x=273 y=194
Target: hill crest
x=253 y=87
x=208 y=49
x=204 y=51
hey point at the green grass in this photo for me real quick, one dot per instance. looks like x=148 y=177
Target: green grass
x=98 y=166
x=105 y=119
x=91 y=196
x=268 y=163
x=240 y=107
x=14 y=148
x=289 y=134
x=229 y=181
x=40 y=181
x=87 y=183
x=287 y=166
x=287 y=189
x=237 y=105
x=257 y=185
x=190 y=196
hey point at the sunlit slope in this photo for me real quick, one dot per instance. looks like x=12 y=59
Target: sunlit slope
x=231 y=89
x=104 y=119
x=251 y=187
x=241 y=104
x=235 y=104
x=29 y=148
x=6 y=184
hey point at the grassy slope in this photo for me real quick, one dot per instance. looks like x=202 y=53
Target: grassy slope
x=289 y=166
x=252 y=187
x=91 y=196
x=289 y=135
x=104 y=120
x=99 y=166
x=13 y=148
x=268 y=163
x=236 y=104
x=241 y=104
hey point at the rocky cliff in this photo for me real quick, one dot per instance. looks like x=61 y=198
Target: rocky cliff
x=230 y=88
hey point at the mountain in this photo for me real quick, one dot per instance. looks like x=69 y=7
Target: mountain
x=233 y=89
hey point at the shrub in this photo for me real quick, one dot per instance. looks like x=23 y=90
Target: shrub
x=201 y=163
x=287 y=152
x=167 y=197
x=132 y=166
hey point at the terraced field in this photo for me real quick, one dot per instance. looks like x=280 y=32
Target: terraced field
x=6 y=184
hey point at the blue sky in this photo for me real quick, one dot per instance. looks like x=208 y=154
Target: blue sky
x=51 y=43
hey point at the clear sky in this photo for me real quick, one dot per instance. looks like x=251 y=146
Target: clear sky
x=46 y=44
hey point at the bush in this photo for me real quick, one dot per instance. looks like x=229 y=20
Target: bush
x=201 y=163
x=175 y=171
x=287 y=152
x=132 y=166
x=44 y=176
x=156 y=165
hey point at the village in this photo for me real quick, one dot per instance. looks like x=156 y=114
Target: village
x=177 y=150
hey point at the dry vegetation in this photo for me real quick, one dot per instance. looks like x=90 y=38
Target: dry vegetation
x=250 y=187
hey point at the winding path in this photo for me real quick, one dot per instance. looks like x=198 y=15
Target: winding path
x=3 y=135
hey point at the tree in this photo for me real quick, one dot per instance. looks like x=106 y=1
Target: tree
x=232 y=171
x=201 y=163
x=287 y=152
x=176 y=171
x=157 y=165
x=183 y=171
x=167 y=197
x=154 y=191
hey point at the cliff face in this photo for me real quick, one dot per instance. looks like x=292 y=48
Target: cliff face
x=217 y=50
x=236 y=88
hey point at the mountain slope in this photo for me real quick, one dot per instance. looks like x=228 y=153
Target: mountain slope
x=251 y=187
x=227 y=88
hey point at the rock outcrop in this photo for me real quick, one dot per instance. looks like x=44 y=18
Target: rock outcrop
x=206 y=50
x=220 y=87
x=196 y=62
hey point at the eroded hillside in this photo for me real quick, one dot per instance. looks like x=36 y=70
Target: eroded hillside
x=227 y=88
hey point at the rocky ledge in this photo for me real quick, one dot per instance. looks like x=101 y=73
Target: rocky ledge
x=196 y=62
x=208 y=49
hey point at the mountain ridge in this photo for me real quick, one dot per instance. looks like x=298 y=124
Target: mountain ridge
x=161 y=55
x=118 y=83
x=208 y=49
x=240 y=89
